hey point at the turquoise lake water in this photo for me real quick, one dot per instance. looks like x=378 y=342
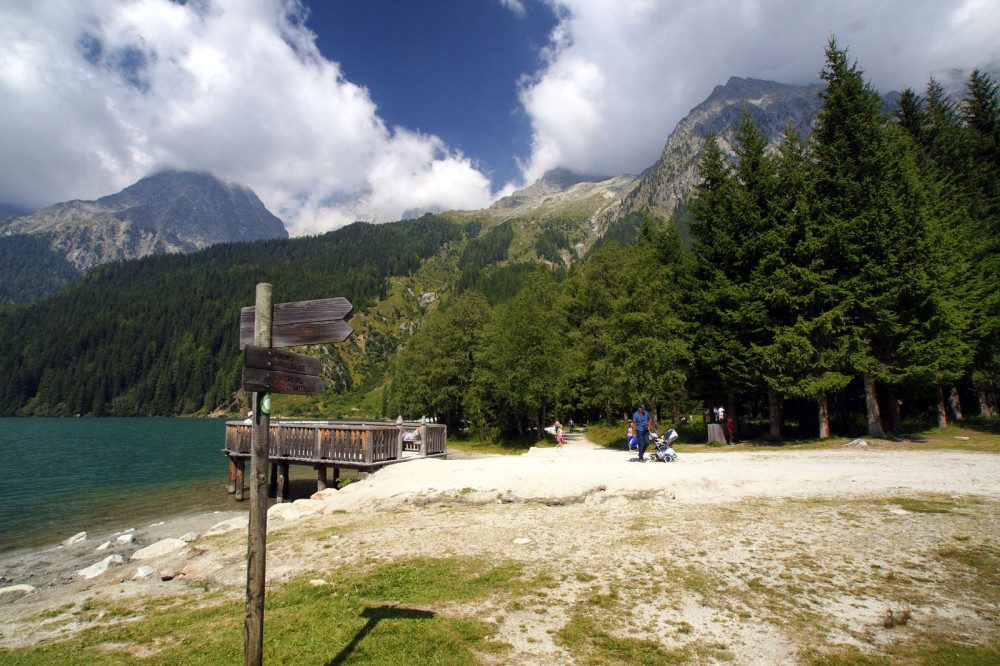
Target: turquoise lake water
x=66 y=475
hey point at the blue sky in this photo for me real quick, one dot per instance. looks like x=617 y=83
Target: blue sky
x=368 y=109
x=449 y=67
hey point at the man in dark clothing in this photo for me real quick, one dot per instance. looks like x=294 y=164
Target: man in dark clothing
x=641 y=420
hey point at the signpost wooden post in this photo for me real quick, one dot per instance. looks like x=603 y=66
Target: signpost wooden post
x=265 y=371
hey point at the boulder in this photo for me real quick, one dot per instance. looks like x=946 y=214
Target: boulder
x=158 y=549
x=15 y=591
x=95 y=570
x=76 y=538
x=143 y=572
x=238 y=523
x=283 y=512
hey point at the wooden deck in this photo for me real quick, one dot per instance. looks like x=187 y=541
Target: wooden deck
x=326 y=445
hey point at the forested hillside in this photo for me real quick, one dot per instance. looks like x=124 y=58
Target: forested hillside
x=159 y=336
x=847 y=280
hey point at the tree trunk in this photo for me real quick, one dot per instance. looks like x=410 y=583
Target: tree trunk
x=824 y=416
x=985 y=401
x=654 y=416
x=871 y=403
x=776 y=405
x=954 y=404
x=732 y=406
x=895 y=421
x=942 y=410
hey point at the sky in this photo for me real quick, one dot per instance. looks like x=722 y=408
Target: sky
x=339 y=110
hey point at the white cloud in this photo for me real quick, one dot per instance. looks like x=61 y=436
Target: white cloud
x=98 y=93
x=516 y=6
x=620 y=75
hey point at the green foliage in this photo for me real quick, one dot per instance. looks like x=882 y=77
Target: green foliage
x=498 y=283
x=517 y=364
x=159 y=336
x=433 y=373
x=490 y=248
x=29 y=270
x=550 y=245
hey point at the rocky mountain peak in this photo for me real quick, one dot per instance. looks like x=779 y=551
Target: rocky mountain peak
x=166 y=212
x=169 y=211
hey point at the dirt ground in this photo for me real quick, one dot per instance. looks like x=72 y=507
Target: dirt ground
x=749 y=557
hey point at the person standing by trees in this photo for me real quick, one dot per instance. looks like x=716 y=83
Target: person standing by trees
x=641 y=421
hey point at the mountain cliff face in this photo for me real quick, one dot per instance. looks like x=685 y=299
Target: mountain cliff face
x=773 y=106
x=171 y=211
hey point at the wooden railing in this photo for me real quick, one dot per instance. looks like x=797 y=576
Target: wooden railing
x=348 y=444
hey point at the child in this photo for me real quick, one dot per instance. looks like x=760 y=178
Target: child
x=633 y=439
x=559 y=435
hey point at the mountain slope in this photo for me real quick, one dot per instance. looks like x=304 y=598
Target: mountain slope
x=168 y=212
x=773 y=106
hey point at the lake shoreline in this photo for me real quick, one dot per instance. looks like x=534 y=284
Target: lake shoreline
x=59 y=564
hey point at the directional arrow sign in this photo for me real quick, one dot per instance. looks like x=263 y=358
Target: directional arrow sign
x=301 y=323
x=282 y=361
x=272 y=381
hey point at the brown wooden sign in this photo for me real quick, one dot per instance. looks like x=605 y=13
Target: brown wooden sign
x=273 y=381
x=277 y=359
x=301 y=323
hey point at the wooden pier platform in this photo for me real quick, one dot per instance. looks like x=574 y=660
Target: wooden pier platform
x=326 y=445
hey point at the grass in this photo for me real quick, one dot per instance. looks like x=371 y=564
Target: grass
x=388 y=616
x=471 y=444
x=927 y=504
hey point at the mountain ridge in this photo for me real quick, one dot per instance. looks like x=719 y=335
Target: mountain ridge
x=166 y=212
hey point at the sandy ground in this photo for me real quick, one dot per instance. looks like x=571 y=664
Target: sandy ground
x=735 y=556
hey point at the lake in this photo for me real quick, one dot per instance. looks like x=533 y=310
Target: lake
x=68 y=475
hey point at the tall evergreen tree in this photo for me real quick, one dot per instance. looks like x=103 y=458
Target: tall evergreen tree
x=433 y=373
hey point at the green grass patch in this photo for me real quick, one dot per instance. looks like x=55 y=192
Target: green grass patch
x=940 y=652
x=588 y=643
x=605 y=435
x=387 y=616
x=925 y=505
x=471 y=444
x=983 y=561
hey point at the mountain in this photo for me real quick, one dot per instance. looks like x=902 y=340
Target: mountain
x=167 y=212
x=772 y=106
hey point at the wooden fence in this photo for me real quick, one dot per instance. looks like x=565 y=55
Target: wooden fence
x=331 y=444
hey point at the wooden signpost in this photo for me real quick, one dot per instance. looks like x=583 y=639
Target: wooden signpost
x=272 y=371
x=267 y=370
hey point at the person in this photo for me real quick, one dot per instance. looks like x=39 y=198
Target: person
x=730 y=429
x=641 y=420
x=571 y=425
x=249 y=419
x=560 y=440
x=722 y=414
x=632 y=440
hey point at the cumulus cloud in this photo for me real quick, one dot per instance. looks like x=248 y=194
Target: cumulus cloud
x=98 y=93
x=619 y=75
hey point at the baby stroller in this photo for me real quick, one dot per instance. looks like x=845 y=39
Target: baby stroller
x=664 y=447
